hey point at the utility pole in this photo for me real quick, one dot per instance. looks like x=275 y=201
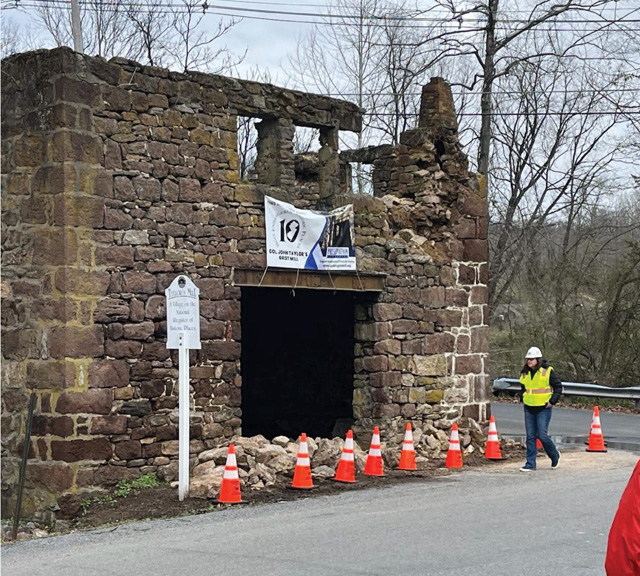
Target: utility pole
x=76 y=27
x=486 y=104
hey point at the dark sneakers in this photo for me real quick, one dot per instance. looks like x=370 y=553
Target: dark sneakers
x=554 y=463
x=527 y=468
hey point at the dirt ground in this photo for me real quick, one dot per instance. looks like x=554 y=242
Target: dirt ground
x=162 y=501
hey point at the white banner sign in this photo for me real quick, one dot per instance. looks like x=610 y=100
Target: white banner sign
x=183 y=313
x=308 y=239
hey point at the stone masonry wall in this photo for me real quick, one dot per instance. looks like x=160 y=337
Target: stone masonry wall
x=422 y=346
x=117 y=177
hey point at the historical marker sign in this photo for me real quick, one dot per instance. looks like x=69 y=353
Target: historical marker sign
x=183 y=313
x=183 y=333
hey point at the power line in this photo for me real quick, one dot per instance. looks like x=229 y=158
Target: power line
x=384 y=16
x=365 y=24
x=350 y=7
x=339 y=5
x=494 y=92
x=214 y=9
x=503 y=114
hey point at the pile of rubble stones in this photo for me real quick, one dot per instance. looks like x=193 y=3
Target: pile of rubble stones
x=263 y=463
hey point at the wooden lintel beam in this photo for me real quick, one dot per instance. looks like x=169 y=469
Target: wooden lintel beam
x=307 y=279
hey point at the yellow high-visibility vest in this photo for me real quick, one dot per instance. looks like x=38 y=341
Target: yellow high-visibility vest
x=537 y=390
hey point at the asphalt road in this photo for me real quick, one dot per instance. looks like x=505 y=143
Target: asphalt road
x=485 y=522
x=571 y=426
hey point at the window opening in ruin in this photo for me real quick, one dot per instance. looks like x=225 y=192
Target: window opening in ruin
x=247 y=146
x=306 y=143
x=297 y=361
x=306 y=140
x=361 y=178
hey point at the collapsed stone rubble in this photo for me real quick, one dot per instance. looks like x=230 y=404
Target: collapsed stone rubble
x=263 y=463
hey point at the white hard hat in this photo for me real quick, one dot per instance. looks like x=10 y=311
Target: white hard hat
x=534 y=352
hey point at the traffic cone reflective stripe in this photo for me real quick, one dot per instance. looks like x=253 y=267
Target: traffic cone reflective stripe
x=302 y=473
x=346 y=471
x=492 y=449
x=408 y=454
x=230 y=489
x=374 y=466
x=454 y=455
x=596 y=439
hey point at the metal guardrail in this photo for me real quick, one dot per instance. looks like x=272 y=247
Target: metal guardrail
x=576 y=389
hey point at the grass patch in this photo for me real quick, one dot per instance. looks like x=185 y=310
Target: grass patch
x=123 y=489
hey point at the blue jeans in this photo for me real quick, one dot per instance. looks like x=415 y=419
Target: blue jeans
x=537 y=426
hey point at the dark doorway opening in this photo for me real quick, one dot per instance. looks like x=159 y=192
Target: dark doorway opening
x=297 y=361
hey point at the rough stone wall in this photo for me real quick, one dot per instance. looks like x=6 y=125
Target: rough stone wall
x=422 y=346
x=116 y=177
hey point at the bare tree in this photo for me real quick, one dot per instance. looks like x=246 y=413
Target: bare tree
x=555 y=153
x=306 y=140
x=172 y=35
x=192 y=42
x=402 y=68
x=152 y=25
x=247 y=139
x=107 y=29
x=361 y=52
x=555 y=91
x=493 y=50
x=341 y=59
x=10 y=42
x=16 y=37
x=247 y=134
x=583 y=297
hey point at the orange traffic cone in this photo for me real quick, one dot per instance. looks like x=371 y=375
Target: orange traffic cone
x=302 y=473
x=492 y=450
x=596 y=439
x=539 y=445
x=408 y=454
x=346 y=471
x=454 y=455
x=374 y=466
x=230 y=488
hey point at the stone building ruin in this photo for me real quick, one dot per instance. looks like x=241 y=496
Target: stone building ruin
x=116 y=177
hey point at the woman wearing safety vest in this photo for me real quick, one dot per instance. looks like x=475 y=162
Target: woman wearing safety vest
x=541 y=389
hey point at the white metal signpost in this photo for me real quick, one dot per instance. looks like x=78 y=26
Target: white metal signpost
x=183 y=334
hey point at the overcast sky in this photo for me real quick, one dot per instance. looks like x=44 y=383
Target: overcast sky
x=268 y=28
x=267 y=42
